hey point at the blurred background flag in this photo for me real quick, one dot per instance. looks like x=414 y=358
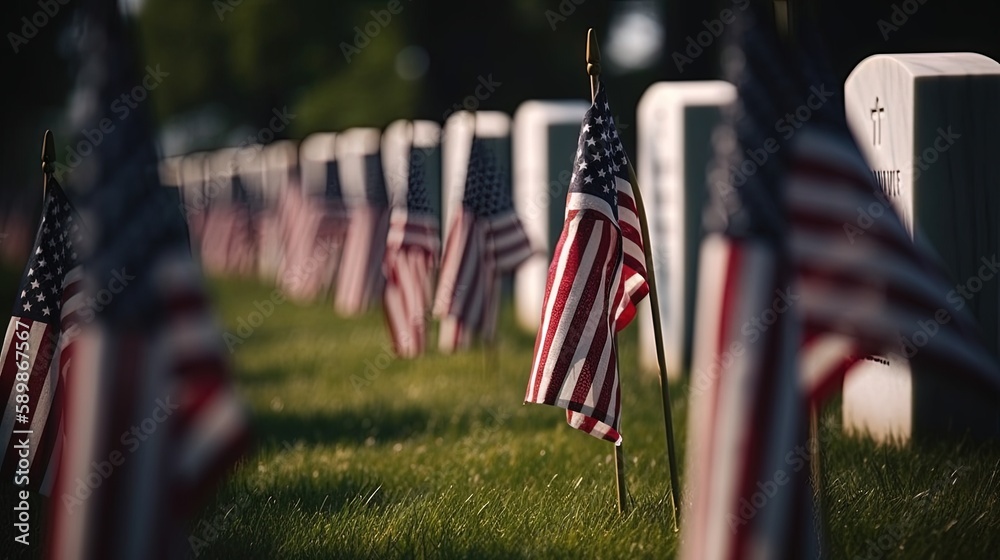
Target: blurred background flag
x=410 y=263
x=38 y=345
x=150 y=412
x=360 y=279
x=486 y=240
x=751 y=414
x=596 y=278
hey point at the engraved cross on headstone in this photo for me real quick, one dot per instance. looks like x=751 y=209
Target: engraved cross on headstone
x=877 y=114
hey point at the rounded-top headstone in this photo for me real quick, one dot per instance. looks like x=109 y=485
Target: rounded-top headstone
x=675 y=121
x=929 y=126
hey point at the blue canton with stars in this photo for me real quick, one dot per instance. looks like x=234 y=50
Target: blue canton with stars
x=53 y=255
x=486 y=189
x=417 y=200
x=600 y=155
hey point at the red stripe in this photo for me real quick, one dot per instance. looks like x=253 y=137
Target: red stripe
x=587 y=294
x=565 y=252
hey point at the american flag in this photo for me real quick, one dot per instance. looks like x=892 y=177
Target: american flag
x=300 y=272
x=410 y=260
x=332 y=231
x=38 y=346
x=228 y=245
x=151 y=421
x=359 y=277
x=486 y=240
x=596 y=278
x=747 y=489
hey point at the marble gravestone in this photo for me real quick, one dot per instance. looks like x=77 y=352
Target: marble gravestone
x=929 y=126
x=675 y=125
x=544 y=143
x=316 y=153
x=456 y=143
x=279 y=162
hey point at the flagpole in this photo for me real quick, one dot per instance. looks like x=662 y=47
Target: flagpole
x=788 y=15
x=48 y=160
x=594 y=70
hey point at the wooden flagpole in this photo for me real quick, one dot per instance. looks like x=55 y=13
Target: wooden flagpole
x=48 y=160
x=594 y=70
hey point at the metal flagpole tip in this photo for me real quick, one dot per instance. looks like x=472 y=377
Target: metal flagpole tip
x=593 y=54
x=48 y=152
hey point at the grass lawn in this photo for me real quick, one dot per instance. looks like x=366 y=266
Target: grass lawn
x=438 y=458
x=361 y=455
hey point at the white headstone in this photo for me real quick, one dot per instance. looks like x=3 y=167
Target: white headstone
x=278 y=160
x=353 y=145
x=675 y=124
x=315 y=154
x=929 y=125
x=544 y=144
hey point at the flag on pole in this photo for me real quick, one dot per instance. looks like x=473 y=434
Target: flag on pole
x=38 y=346
x=486 y=241
x=151 y=421
x=596 y=278
x=412 y=251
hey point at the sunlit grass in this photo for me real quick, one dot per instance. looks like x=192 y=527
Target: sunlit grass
x=361 y=455
x=437 y=457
